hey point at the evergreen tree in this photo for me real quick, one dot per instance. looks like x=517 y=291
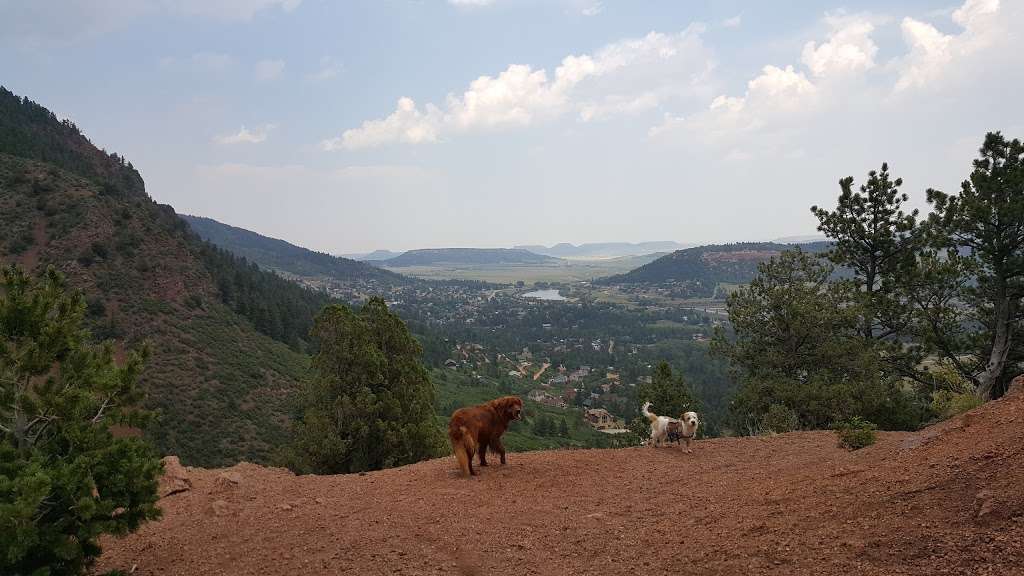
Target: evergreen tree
x=798 y=344
x=540 y=426
x=563 y=429
x=987 y=218
x=64 y=479
x=668 y=394
x=370 y=404
x=877 y=241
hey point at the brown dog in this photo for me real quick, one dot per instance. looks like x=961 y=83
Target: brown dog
x=476 y=428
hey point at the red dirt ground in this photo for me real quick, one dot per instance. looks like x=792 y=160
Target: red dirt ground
x=946 y=500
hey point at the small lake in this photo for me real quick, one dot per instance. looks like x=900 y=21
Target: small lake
x=545 y=295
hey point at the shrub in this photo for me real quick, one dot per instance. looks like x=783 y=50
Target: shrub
x=780 y=419
x=947 y=403
x=953 y=393
x=855 y=433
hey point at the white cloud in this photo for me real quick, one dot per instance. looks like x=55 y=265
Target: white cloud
x=734 y=22
x=933 y=54
x=849 y=48
x=975 y=13
x=268 y=69
x=623 y=77
x=471 y=2
x=772 y=98
x=668 y=124
x=841 y=83
x=616 y=105
x=246 y=136
x=328 y=69
x=592 y=9
x=406 y=124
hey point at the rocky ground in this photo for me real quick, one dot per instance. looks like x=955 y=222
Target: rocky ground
x=946 y=500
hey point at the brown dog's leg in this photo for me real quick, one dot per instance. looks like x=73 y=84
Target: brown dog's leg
x=464 y=456
x=498 y=447
x=483 y=454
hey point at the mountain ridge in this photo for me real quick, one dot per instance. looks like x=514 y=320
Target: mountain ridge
x=227 y=338
x=277 y=254
x=602 y=249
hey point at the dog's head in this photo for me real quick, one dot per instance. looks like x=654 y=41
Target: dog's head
x=690 y=421
x=508 y=407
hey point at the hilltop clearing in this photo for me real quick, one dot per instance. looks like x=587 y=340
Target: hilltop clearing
x=944 y=500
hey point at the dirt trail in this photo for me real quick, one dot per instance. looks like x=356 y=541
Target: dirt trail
x=946 y=500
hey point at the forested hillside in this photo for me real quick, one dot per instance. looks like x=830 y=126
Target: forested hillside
x=274 y=254
x=702 y=268
x=226 y=337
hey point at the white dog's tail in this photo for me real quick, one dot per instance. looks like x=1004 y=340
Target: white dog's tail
x=650 y=415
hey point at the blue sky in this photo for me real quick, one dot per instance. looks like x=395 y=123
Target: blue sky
x=350 y=126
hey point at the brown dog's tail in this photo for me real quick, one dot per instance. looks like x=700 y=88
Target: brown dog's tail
x=464 y=446
x=650 y=415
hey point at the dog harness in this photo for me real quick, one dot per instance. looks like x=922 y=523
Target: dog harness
x=675 y=431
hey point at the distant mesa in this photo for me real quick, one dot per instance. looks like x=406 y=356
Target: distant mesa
x=466 y=256
x=372 y=256
x=603 y=249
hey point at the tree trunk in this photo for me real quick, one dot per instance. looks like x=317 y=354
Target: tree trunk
x=1002 y=335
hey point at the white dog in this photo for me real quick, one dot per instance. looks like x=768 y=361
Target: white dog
x=665 y=429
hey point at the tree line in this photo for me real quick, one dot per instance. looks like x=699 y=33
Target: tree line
x=929 y=307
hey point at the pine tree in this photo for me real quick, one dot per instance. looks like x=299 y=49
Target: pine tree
x=798 y=344
x=987 y=218
x=64 y=479
x=542 y=425
x=370 y=404
x=668 y=394
x=563 y=429
x=878 y=242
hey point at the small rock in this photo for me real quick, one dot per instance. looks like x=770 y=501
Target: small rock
x=284 y=507
x=175 y=478
x=221 y=508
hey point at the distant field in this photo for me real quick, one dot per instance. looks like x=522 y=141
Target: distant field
x=563 y=271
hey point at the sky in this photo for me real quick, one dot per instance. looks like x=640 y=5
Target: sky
x=354 y=125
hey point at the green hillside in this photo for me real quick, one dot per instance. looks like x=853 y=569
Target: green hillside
x=274 y=254
x=699 y=270
x=227 y=338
